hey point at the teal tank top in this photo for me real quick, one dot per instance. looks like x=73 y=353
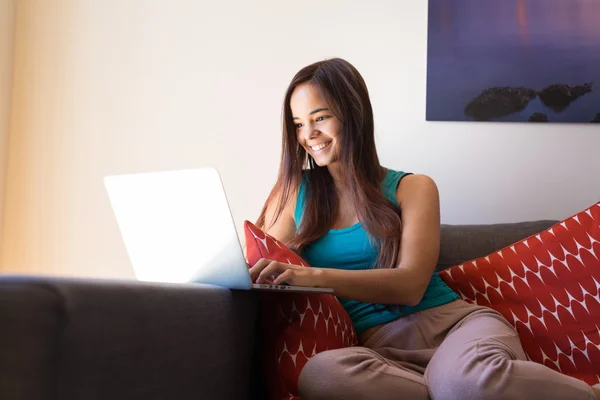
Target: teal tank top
x=350 y=248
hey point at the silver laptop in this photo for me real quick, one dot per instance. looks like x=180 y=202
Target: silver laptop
x=177 y=227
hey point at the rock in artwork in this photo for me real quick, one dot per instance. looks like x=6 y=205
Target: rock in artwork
x=514 y=61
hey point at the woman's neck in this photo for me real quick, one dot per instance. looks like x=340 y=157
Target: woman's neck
x=335 y=172
x=341 y=185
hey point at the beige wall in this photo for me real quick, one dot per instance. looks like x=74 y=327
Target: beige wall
x=116 y=87
x=7 y=19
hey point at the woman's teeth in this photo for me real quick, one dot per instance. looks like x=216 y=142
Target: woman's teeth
x=320 y=146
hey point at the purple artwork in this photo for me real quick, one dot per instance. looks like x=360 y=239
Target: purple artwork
x=514 y=60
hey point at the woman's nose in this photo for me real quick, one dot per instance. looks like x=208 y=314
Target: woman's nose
x=310 y=132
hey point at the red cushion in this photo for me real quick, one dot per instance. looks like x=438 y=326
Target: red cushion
x=294 y=326
x=548 y=287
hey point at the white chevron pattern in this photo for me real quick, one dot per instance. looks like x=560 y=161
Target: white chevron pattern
x=555 y=304
x=298 y=326
x=341 y=329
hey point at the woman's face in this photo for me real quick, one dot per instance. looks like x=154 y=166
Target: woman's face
x=317 y=129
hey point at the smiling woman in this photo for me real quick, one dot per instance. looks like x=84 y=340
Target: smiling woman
x=328 y=132
x=372 y=235
x=317 y=127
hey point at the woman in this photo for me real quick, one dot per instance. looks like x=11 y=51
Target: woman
x=372 y=234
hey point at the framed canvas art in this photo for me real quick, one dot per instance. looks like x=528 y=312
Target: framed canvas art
x=513 y=60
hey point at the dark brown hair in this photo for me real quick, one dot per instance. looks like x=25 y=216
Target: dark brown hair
x=348 y=97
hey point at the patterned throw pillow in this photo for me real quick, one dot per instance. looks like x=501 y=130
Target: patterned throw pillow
x=548 y=287
x=294 y=326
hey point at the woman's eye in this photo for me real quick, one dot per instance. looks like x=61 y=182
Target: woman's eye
x=321 y=118
x=298 y=126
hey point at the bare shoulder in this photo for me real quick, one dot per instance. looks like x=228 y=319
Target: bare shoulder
x=417 y=188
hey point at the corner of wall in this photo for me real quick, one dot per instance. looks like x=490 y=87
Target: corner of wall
x=8 y=17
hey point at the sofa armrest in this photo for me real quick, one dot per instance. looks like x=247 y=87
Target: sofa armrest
x=69 y=339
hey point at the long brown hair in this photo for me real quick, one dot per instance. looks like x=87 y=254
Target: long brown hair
x=347 y=95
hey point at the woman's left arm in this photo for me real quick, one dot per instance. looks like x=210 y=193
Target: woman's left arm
x=418 y=198
x=419 y=251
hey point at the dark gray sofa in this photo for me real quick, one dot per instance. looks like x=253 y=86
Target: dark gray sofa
x=85 y=339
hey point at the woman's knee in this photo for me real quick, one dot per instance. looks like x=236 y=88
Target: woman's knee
x=358 y=373
x=475 y=380
x=321 y=374
x=329 y=374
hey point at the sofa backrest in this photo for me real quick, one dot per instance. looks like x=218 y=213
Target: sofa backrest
x=461 y=243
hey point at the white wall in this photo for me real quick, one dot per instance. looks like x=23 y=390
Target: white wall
x=127 y=86
x=7 y=19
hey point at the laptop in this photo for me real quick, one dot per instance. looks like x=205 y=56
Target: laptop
x=177 y=227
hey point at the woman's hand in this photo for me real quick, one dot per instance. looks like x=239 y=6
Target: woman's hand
x=279 y=273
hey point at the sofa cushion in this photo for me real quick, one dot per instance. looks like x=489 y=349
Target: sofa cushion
x=548 y=287
x=295 y=326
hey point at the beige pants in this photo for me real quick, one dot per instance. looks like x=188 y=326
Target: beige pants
x=454 y=351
